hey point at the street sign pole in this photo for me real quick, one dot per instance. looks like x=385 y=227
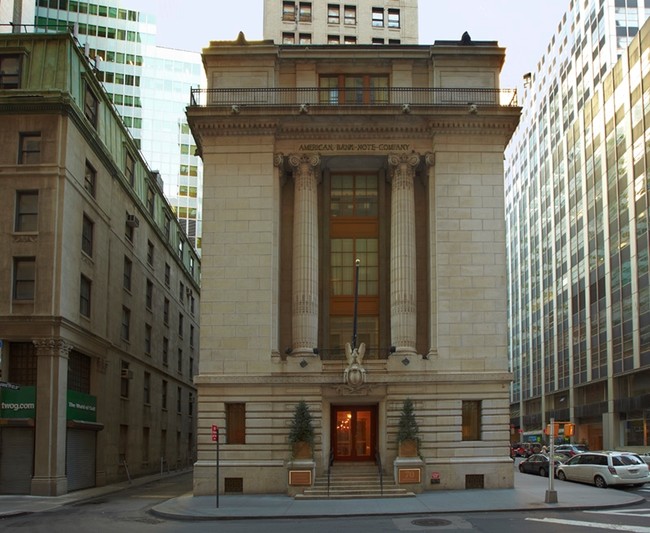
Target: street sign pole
x=215 y=438
x=551 y=494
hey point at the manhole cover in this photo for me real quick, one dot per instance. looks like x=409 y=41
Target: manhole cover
x=430 y=522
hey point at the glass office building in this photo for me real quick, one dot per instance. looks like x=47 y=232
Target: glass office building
x=577 y=233
x=149 y=86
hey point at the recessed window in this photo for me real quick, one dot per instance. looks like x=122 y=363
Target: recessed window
x=164 y=394
x=168 y=226
x=181 y=291
x=24 y=278
x=29 y=152
x=377 y=17
x=166 y=312
x=125 y=375
x=333 y=39
x=288 y=38
x=85 y=287
x=180 y=325
x=10 y=71
x=151 y=200
x=393 y=18
x=26 y=211
x=350 y=15
x=150 y=253
x=128 y=271
x=147 y=339
x=236 y=423
x=305 y=38
x=91 y=106
x=179 y=399
x=348 y=39
x=165 y=352
x=129 y=168
x=168 y=275
x=181 y=246
x=87 y=236
x=179 y=363
x=146 y=388
x=471 y=420
x=149 y=295
x=305 y=11
x=125 y=332
x=90 y=179
x=333 y=14
x=288 y=11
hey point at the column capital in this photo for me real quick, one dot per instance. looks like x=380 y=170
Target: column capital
x=398 y=160
x=300 y=160
x=52 y=346
x=278 y=160
x=430 y=159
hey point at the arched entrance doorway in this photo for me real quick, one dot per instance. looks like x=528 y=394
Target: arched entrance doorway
x=354 y=432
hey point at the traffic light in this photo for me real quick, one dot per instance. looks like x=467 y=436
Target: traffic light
x=556 y=429
x=569 y=430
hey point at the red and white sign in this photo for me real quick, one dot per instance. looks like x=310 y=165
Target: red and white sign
x=215 y=433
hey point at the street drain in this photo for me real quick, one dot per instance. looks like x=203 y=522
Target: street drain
x=430 y=522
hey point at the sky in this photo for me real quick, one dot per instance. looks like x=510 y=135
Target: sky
x=523 y=27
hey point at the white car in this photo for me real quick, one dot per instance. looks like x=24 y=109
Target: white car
x=605 y=468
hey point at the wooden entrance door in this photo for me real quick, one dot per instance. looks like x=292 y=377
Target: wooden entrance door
x=354 y=432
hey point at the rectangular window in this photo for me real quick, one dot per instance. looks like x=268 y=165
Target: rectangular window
x=91 y=106
x=180 y=325
x=90 y=179
x=192 y=265
x=179 y=399
x=181 y=292
x=305 y=11
x=191 y=336
x=24 y=278
x=471 y=420
x=288 y=11
x=128 y=271
x=304 y=38
x=9 y=71
x=181 y=246
x=168 y=275
x=151 y=200
x=87 y=236
x=236 y=423
x=179 y=364
x=79 y=372
x=288 y=38
x=165 y=352
x=166 y=312
x=125 y=331
x=125 y=375
x=168 y=226
x=164 y=394
x=350 y=15
x=150 y=253
x=333 y=14
x=129 y=229
x=29 y=151
x=393 y=18
x=333 y=39
x=147 y=338
x=190 y=405
x=377 y=17
x=26 y=211
x=146 y=393
x=84 y=296
x=129 y=168
x=148 y=301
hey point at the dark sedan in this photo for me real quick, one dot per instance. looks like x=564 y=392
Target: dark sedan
x=538 y=464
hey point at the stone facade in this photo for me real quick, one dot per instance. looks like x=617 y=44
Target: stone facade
x=410 y=171
x=99 y=291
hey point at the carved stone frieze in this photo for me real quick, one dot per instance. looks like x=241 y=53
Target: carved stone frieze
x=52 y=346
x=25 y=238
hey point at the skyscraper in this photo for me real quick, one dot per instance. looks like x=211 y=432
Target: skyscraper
x=576 y=221
x=350 y=22
x=149 y=86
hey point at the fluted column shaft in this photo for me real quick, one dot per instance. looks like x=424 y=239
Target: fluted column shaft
x=402 y=252
x=305 y=254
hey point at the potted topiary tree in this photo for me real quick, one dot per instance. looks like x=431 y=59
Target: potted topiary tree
x=301 y=434
x=408 y=432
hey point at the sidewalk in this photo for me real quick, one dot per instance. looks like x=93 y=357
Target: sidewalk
x=529 y=494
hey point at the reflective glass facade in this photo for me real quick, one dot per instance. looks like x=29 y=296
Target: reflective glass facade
x=576 y=222
x=149 y=86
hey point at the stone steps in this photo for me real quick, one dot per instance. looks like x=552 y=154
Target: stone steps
x=353 y=482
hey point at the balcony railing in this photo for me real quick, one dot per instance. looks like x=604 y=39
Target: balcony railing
x=393 y=96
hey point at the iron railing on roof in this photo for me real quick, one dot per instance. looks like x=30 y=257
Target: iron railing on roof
x=380 y=96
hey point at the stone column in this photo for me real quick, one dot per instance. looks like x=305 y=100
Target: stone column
x=50 y=434
x=433 y=279
x=305 y=255
x=402 y=253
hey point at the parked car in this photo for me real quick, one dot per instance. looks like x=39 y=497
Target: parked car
x=538 y=463
x=605 y=468
x=571 y=449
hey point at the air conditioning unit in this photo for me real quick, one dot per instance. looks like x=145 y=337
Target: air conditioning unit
x=132 y=220
x=127 y=374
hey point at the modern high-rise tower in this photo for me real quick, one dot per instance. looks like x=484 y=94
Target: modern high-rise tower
x=149 y=86
x=350 y=22
x=577 y=232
